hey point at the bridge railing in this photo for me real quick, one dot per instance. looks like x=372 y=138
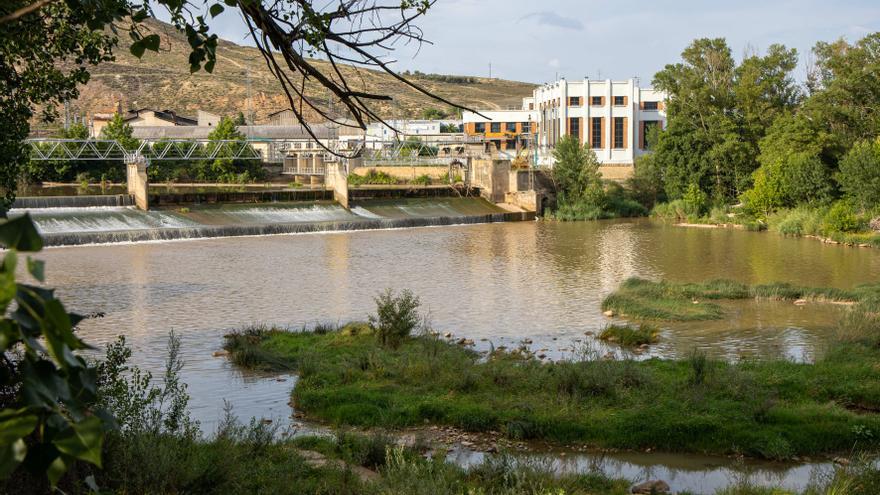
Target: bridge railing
x=166 y=149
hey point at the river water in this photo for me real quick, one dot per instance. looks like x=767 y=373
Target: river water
x=495 y=283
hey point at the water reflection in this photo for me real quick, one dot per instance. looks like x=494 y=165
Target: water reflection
x=684 y=473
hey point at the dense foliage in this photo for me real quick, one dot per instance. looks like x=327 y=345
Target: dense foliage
x=581 y=193
x=747 y=133
x=50 y=417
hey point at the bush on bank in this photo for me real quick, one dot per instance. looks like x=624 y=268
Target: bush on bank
x=581 y=193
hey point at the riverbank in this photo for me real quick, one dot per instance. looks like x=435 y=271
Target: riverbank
x=766 y=409
x=828 y=225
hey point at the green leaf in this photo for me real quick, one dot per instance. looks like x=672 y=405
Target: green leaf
x=216 y=10
x=57 y=469
x=83 y=440
x=16 y=423
x=20 y=234
x=11 y=455
x=152 y=42
x=37 y=269
x=209 y=66
x=137 y=48
x=139 y=15
x=231 y=3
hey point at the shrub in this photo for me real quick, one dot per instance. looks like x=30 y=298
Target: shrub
x=630 y=336
x=841 y=218
x=396 y=317
x=372 y=176
x=859 y=174
x=696 y=201
x=424 y=180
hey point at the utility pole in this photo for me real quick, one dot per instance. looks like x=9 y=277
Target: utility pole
x=249 y=105
x=490 y=70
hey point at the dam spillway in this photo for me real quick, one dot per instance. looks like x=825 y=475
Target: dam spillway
x=112 y=224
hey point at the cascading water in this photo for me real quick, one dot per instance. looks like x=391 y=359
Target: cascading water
x=98 y=225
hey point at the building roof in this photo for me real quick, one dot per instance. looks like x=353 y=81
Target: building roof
x=166 y=115
x=322 y=131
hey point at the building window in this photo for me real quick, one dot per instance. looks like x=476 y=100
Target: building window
x=596 y=101
x=574 y=127
x=526 y=127
x=511 y=144
x=574 y=101
x=619 y=101
x=596 y=134
x=510 y=127
x=649 y=126
x=531 y=106
x=650 y=105
x=480 y=127
x=495 y=127
x=618 y=132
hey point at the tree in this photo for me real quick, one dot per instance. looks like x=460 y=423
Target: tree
x=717 y=114
x=646 y=183
x=239 y=119
x=224 y=167
x=859 y=174
x=846 y=97
x=119 y=130
x=44 y=55
x=575 y=169
x=433 y=114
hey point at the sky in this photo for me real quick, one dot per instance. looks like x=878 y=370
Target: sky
x=538 y=40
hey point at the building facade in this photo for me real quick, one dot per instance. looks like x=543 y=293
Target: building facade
x=614 y=118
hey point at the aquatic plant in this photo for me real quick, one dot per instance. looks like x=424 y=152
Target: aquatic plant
x=630 y=335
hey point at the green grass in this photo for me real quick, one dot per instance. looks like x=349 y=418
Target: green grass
x=631 y=335
x=767 y=409
x=668 y=301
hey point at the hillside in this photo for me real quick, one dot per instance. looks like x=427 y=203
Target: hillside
x=163 y=81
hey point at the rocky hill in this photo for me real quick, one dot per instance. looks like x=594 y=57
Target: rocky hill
x=163 y=81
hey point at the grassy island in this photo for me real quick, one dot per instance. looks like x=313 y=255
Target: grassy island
x=769 y=409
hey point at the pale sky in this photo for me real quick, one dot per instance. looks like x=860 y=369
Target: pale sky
x=534 y=40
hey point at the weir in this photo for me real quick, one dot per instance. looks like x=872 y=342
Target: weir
x=176 y=233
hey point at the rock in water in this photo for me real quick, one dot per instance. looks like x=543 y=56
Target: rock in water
x=653 y=487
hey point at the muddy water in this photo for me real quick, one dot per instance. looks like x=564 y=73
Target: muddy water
x=495 y=283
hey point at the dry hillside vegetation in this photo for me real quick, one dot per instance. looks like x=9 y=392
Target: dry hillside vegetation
x=163 y=81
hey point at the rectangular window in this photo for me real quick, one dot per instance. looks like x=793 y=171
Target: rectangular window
x=526 y=126
x=596 y=134
x=649 y=126
x=510 y=127
x=597 y=101
x=650 y=105
x=495 y=127
x=618 y=132
x=574 y=101
x=574 y=127
x=511 y=144
x=480 y=127
x=619 y=101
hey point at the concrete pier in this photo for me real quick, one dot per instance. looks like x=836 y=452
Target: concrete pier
x=138 y=183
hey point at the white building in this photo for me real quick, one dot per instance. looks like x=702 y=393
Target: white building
x=614 y=118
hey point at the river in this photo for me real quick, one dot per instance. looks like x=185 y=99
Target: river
x=495 y=283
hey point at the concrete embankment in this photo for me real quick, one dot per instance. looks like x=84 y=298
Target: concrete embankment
x=80 y=238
